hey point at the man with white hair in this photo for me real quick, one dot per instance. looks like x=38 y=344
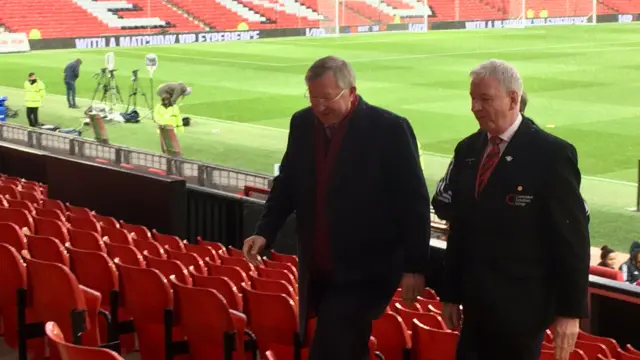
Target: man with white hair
x=351 y=173
x=174 y=90
x=517 y=257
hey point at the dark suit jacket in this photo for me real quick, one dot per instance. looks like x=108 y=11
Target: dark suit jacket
x=518 y=256
x=377 y=202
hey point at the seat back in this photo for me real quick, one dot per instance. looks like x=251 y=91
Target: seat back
x=86 y=240
x=13 y=276
x=576 y=354
x=236 y=275
x=53 y=228
x=79 y=211
x=279 y=257
x=117 y=236
x=94 y=270
x=169 y=241
x=21 y=204
x=204 y=319
x=30 y=196
x=204 y=252
x=46 y=248
x=273 y=286
x=592 y=350
x=273 y=319
x=74 y=352
x=151 y=247
x=54 y=293
x=146 y=296
x=52 y=214
x=19 y=217
x=235 y=253
x=54 y=204
x=431 y=320
x=276 y=274
x=9 y=191
x=12 y=235
x=188 y=259
x=610 y=344
x=106 y=221
x=238 y=262
x=127 y=255
x=219 y=248
x=281 y=266
x=392 y=336
x=223 y=286
x=431 y=344
x=168 y=268
x=141 y=232
x=86 y=223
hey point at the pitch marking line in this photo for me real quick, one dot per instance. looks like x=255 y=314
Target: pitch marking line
x=269 y=128
x=586 y=47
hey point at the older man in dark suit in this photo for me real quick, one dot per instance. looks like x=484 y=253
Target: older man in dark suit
x=517 y=255
x=352 y=174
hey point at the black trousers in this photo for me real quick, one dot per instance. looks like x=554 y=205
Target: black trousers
x=344 y=321
x=32 y=116
x=483 y=342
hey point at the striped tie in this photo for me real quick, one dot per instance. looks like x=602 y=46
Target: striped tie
x=488 y=164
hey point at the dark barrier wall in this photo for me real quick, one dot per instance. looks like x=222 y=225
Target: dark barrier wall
x=23 y=162
x=157 y=202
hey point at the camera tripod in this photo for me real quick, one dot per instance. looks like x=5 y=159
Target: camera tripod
x=111 y=95
x=132 y=102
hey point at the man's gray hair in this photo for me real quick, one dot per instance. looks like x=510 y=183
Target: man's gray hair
x=340 y=69
x=505 y=73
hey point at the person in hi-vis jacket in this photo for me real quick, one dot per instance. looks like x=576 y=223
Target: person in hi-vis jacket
x=167 y=114
x=33 y=95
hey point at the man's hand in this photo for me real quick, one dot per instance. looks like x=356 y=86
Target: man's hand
x=412 y=286
x=252 y=247
x=452 y=315
x=565 y=334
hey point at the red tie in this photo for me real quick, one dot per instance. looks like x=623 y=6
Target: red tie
x=488 y=163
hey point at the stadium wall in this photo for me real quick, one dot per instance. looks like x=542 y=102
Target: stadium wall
x=227 y=36
x=172 y=206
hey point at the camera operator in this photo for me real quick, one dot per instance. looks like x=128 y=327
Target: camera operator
x=174 y=91
x=33 y=96
x=71 y=74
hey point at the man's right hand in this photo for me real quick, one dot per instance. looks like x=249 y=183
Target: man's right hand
x=452 y=315
x=252 y=248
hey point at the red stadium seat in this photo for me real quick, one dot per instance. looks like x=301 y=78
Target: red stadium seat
x=606 y=273
x=11 y=235
x=188 y=260
x=141 y=232
x=575 y=355
x=74 y=352
x=432 y=344
x=240 y=263
x=274 y=287
x=281 y=266
x=13 y=276
x=216 y=246
x=275 y=274
x=151 y=247
x=52 y=214
x=289 y=259
x=86 y=240
x=82 y=222
x=125 y=254
x=106 y=221
x=118 y=236
x=431 y=320
x=169 y=241
x=168 y=268
x=234 y=274
x=204 y=252
x=19 y=217
x=208 y=322
x=610 y=344
x=223 y=286
x=46 y=248
x=393 y=339
x=52 y=228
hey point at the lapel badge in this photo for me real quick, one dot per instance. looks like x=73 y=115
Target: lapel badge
x=519 y=188
x=508 y=158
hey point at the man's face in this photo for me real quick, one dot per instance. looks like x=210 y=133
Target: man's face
x=492 y=106
x=329 y=102
x=32 y=77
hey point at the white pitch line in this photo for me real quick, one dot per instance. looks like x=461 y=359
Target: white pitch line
x=269 y=128
x=419 y=56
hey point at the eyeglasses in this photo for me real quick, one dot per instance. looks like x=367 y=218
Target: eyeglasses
x=321 y=100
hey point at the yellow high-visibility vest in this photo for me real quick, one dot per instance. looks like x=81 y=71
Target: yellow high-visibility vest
x=169 y=116
x=33 y=94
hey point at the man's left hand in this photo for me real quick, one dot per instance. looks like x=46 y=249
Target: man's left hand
x=412 y=286
x=565 y=334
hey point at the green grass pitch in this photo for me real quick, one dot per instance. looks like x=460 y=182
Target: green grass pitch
x=583 y=84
